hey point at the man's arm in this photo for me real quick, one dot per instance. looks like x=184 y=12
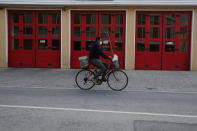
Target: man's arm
x=101 y=53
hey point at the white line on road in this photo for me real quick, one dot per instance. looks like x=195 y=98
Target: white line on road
x=106 y=89
x=98 y=111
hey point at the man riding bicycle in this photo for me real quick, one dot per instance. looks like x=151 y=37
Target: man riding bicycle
x=95 y=53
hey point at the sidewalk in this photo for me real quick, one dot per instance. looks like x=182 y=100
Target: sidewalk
x=172 y=81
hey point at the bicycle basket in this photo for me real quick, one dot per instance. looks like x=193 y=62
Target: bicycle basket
x=83 y=60
x=116 y=64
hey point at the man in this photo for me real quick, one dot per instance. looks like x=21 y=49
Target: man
x=95 y=53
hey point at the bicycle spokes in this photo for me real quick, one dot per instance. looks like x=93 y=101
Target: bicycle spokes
x=117 y=80
x=83 y=79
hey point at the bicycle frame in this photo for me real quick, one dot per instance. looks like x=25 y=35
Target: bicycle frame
x=109 y=70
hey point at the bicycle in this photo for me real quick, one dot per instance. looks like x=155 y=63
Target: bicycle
x=117 y=80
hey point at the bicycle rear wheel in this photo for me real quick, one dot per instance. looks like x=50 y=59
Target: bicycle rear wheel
x=83 y=79
x=117 y=80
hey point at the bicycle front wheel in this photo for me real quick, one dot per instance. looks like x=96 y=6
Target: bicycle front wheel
x=83 y=79
x=117 y=80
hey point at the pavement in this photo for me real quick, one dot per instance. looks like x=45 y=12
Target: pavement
x=43 y=109
x=35 y=99
x=35 y=109
x=139 y=80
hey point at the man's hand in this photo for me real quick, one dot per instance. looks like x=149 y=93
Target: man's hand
x=110 y=58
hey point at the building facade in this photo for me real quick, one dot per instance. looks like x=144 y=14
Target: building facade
x=146 y=35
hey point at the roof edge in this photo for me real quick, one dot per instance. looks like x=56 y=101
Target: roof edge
x=99 y=3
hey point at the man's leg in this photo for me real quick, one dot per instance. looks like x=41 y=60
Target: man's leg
x=100 y=64
x=104 y=73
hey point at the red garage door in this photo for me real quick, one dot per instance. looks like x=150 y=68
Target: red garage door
x=87 y=25
x=163 y=40
x=21 y=41
x=34 y=39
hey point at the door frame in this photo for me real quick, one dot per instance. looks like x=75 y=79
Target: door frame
x=170 y=10
x=21 y=9
x=70 y=10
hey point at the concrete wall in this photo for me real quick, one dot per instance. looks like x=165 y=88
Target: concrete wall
x=194 y=48
x=65 y=39
x=130 y=43
x=130 y=34
x=2 y=39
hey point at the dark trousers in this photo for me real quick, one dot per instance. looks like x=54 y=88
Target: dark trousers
x=101 y=65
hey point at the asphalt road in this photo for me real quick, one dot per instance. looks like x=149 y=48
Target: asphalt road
x=42 y=109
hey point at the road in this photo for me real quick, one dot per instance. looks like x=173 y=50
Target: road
x=43 y=109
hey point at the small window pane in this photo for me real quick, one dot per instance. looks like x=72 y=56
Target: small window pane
x=55 y=31
x=118 y=32
x=183 y=46
x=184 y=33
x=106 y=47
x=27 y=44
x=42 y=31
x=170 y=33
x=15 y=18
x=184 y=19
x=77 y=45
x=140 y=46
x=155 y=19
x=55 y=44
x=141 y=32
x=89 y=44
x=105 y=32
x=77 y=31
x=119 y=19
x=28 y=18
x=77 y=19
x=15 y=44
x=42 y=44
x=106 y=19
x=170 y=46
x=118 y=45
x=106 y=42
x=55 y=18
x=91 y=19
x=155 y=33
x=43 y=18
x=15 y=31
x=27 y=31
x=154 y=46
x=141 y=19
x=171 y=19
x=90 y=32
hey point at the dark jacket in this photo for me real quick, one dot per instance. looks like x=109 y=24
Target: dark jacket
x=96 y=51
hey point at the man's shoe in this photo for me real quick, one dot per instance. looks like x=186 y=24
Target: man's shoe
x=104 y=79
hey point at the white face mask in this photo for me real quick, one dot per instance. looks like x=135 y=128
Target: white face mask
x=100 y=42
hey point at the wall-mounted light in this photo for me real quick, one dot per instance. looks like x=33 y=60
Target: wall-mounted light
x=64 y=8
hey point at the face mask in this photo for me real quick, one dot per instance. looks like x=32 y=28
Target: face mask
x=100 y=42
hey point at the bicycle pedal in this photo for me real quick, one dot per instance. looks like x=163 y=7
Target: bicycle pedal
x=99 y=82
